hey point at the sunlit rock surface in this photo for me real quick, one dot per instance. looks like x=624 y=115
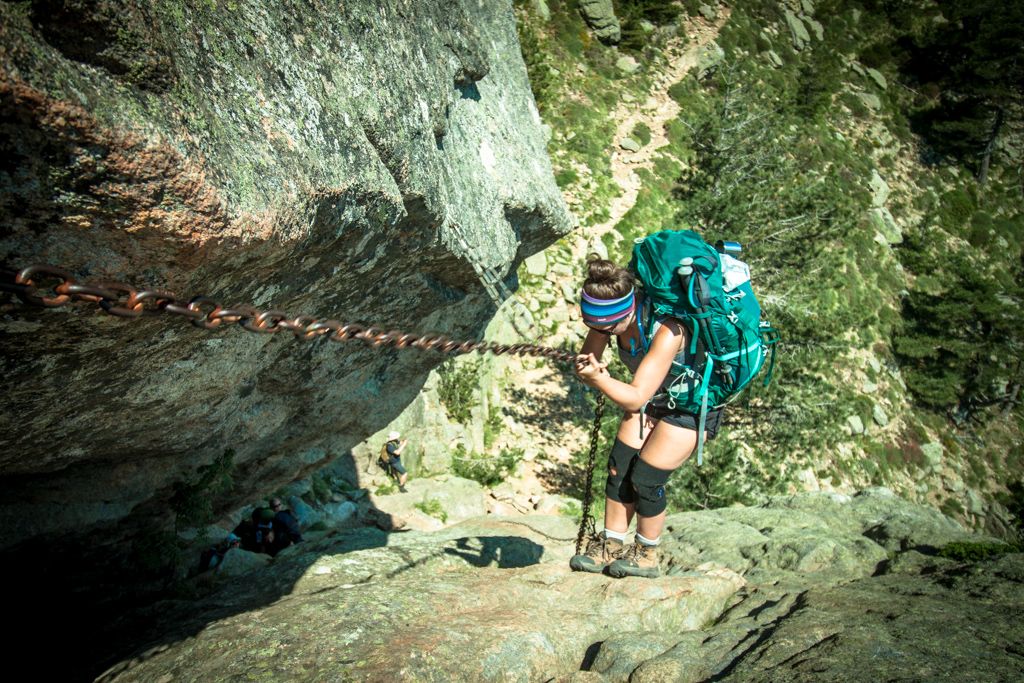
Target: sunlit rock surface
x=803 y=588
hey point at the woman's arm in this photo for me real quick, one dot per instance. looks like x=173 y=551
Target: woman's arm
x=648 y=378
x=595 y=343
x=588 y=361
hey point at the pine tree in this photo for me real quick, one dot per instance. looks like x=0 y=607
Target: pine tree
x=974 y=60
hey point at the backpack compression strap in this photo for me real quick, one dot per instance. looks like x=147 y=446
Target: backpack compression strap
x=703 y=408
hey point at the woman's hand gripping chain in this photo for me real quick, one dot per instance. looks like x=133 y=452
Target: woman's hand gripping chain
x=589 y=369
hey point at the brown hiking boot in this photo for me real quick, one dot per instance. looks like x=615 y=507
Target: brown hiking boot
x=599 y=554
x=637 y=560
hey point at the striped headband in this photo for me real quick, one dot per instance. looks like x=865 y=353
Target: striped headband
x=606 y=312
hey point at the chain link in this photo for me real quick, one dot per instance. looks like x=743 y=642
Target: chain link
x=121 y=300
x=587 y=521
x=52 y=287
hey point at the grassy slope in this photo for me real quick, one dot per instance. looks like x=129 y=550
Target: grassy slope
x=781 y=159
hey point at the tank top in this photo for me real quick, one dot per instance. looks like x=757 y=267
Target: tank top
x=633 y=356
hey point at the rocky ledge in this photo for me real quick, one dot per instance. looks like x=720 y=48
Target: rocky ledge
x=811 y=587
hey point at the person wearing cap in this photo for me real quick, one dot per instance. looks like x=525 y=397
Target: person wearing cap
x=393 y=448
x=286 y=527
x=653 y=440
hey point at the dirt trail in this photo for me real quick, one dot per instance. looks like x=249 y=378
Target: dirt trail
x=655 y=112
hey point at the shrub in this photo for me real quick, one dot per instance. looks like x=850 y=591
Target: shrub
x=726 y=477
x=457 y=388
x=641 y=133
x=967 y=551
x=855 y=105
x=488 y=470
x=433 y=508
x=542 y=79
x=680 y=91
x=566 y=177
x=951 y=507
x=492 y=427
x=632 y=13
x=321 y=488
x=957 y=208
x=387 y=488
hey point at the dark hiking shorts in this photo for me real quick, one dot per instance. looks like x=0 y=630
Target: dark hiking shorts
x=688 y=421
x=396 y=465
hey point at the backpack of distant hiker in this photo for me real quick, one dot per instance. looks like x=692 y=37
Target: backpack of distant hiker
x=384 y=460
x=708 y=289
x=263 y=523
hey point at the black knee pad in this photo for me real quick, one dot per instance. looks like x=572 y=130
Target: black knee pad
x=649 y=485
x=620 y=463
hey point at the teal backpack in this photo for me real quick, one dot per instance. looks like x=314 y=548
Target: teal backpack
x=684 y=277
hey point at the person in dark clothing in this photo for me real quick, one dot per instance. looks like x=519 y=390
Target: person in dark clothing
x=212 y=557
x=394 y=448
x=257 y=532
x=246 y=531
x=286 y=527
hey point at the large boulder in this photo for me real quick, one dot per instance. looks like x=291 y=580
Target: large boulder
x=797 y=30
x=489 y=608
x=352 y=163
x=600 y=17
x=709 y=57
x=371 y=161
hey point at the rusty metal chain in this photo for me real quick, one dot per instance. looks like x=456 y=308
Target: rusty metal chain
x=119 y=299
x=586 y=520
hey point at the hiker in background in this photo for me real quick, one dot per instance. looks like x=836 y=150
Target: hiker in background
x=286 y=527
x=652 y=440
x=213 y=557
x=391 y=458
x=257 y=532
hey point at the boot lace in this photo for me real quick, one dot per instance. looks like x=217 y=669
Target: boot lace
x=634 y=553
x=595 y=545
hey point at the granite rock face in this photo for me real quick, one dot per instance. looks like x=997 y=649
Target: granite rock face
x=809 y=587
x=348 y=160
x=600 y=17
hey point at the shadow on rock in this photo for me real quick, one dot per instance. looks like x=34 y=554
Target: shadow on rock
x=504 y=552
x=107 y=609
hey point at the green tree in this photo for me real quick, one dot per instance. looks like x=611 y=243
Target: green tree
x=632 y=14
x=458 y=383
x=971 y=62
x=960 y=347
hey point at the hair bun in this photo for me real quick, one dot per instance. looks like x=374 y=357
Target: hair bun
x=606 y=279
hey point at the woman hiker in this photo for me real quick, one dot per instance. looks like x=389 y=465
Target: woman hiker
x=652 y=440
